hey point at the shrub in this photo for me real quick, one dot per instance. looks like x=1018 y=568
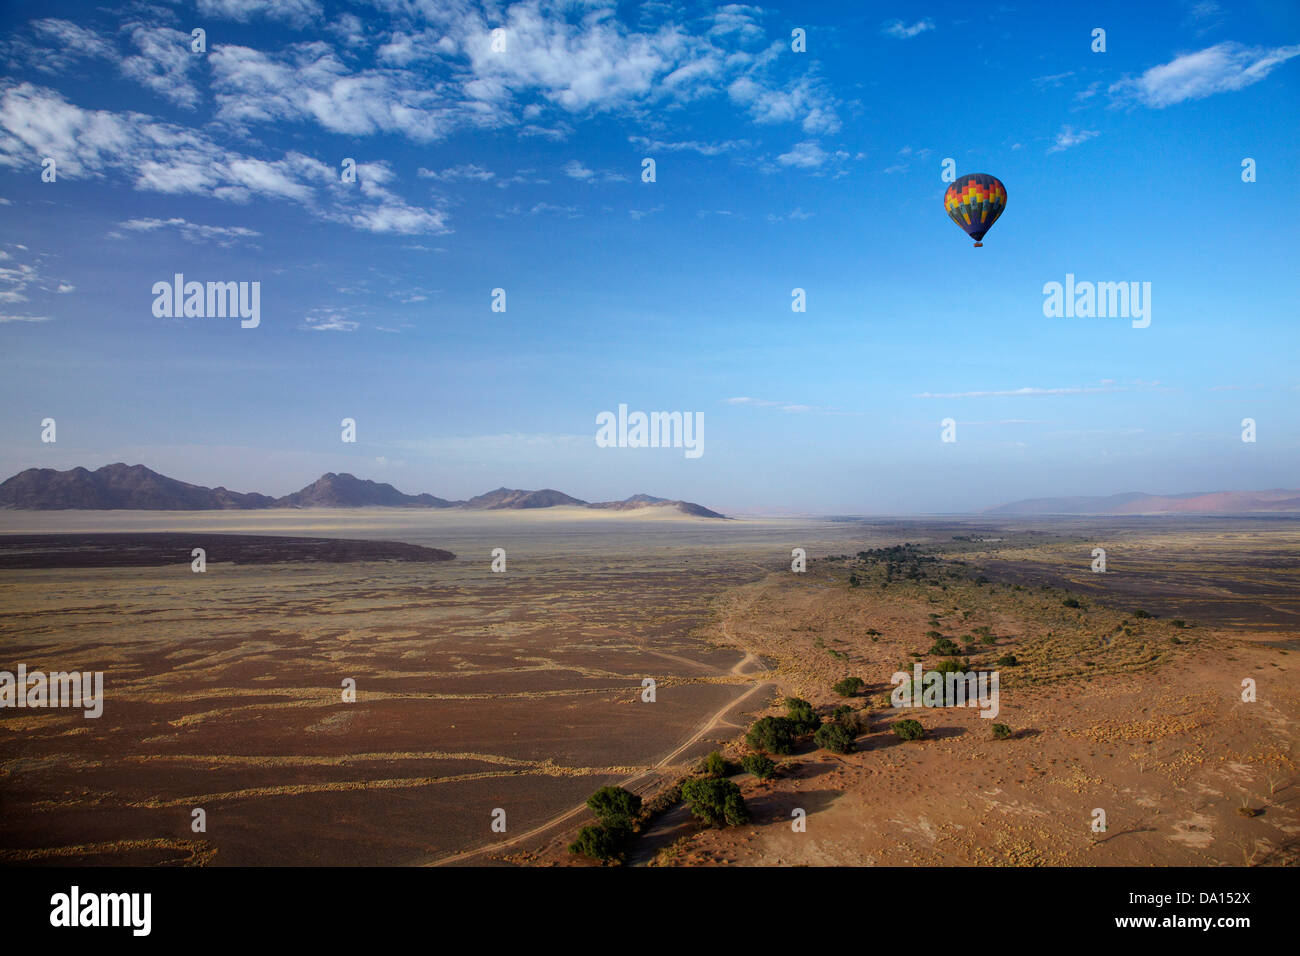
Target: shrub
x=1178 y=622
x=801 y=715
x=715 y=765
x=734 y=810
x=1071 y=602
x=849 y=686
x=615 y=806
x=854 y=721
x=599 y=843
x=1007 y=660
x=948 y=667
x=771 y=734
x=759 y=765
x=988 y=639
x=909 y=729
x=834 y=737
x=716 y=802
x=1139 y=613
x=1001 y=731
x=933 y=635
x=945 y=647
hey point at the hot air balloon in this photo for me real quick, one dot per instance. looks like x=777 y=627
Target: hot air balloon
x=974 y=202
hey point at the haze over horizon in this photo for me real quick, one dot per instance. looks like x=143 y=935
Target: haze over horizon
x=776 y=170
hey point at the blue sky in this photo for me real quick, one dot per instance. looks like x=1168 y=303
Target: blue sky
x=481 y=169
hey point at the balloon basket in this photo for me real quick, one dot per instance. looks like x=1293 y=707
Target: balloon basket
x=979 y=245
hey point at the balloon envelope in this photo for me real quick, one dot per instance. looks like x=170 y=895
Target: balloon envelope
x=974 y=202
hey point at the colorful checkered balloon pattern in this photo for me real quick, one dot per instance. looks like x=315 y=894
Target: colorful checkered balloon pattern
x=974 y=202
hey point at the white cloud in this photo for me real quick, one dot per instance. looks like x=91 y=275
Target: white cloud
x=15 y=280
x=1222 y=68
x=403 y=49
x=163 y=64
x=65 y=42
x=469 y=171
x=1069 y=136
x=311 y=82
x=163 y=61
x=191 y=231
x=1053 y=80
x=799 y=102
x=696 y=146
x=295 y=12
x=23 y=318
x=348 y=29
x=796 y=214
x=763 y=403
x=394 y=217
x=900 y=30
x=328 y=320
x=575 y=170
x=1107 y=385
x=805 y=155
x=541 y=207
x=434 y=71
x=162 y=157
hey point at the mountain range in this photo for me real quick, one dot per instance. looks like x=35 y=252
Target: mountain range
x=137 y=488
x=1137 y=503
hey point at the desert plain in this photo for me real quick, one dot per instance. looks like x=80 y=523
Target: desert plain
x=1158 y=692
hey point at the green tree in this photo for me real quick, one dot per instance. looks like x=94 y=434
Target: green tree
x=945 y=647
x=715 y=765
x=716 y=802
x=849 y=686
x=834 y=737
x=801 y=715
x=909 y=729
x=614 y=806
x=771 y=734
x=599 y=843
x=759 y=765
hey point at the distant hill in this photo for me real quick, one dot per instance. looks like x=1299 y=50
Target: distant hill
x=1136 y=503
x=117 y=486
x=345 y=491
x=516 y=498
x=137 y=488
x=637 y=502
